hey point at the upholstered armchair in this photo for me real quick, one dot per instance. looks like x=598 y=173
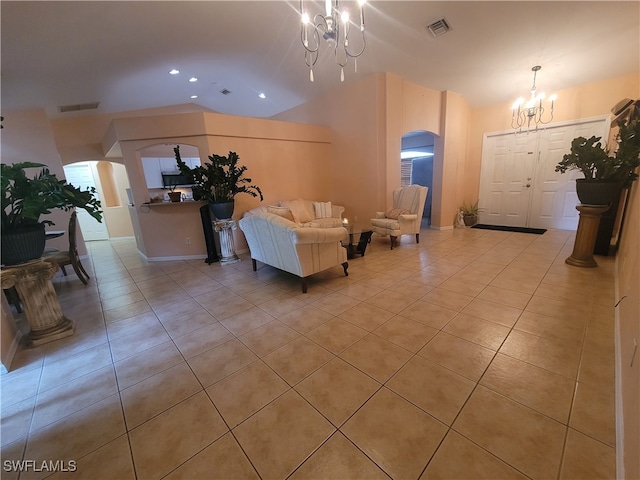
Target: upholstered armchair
x=405 y=216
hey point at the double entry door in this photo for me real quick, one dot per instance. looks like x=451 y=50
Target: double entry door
x=519 y=186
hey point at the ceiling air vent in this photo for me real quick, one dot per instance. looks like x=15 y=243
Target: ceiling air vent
x=224 y=91
x=78 y=107
x=439 y=27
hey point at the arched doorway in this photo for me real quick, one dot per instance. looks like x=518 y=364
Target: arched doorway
x=110 y=181
x=416 y=165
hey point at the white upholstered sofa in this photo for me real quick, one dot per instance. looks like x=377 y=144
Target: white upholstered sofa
x=300 y=248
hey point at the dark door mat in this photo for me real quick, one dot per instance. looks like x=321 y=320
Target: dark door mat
x=504 y=228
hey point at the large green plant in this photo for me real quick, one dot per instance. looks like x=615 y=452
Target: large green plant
x=218 y=180
x=594 y=161
x=25 y=199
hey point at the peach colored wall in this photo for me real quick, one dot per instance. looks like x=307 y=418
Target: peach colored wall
x=421 y=108
x=628 y=330
x=367 y=120
x=355 y=159
x=285 y=160
x=451 y=147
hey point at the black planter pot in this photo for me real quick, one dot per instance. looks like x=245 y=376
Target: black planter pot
x=222 y=211
x=597 y=192
x=23 y=245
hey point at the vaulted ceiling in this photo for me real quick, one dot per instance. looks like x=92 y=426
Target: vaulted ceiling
x=119 y=53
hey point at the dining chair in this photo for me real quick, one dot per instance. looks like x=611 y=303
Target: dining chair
x=70 y=257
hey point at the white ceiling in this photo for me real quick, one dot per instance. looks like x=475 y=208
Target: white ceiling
x=118 y=53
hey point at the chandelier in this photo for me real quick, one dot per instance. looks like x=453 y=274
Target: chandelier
x=334 y=27
x=531 y=112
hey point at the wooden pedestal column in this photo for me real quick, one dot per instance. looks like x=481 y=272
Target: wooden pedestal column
x=42 y=310
x=582 y=255
x=225 y=230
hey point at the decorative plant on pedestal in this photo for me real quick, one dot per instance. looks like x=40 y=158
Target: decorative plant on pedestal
x=604 y=174
x=218 y=182
x=25 y=199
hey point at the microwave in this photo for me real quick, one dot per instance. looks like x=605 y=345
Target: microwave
x=176 y=179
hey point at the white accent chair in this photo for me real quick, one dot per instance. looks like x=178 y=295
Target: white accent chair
x=405 y=216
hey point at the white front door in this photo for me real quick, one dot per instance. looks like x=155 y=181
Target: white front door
x=554 y=196
x=519 y=186
x=80 y=175
x=505 y=180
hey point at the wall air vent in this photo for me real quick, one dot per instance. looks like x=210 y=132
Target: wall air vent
x=224 y=91
x=439 y=27
x=78 y=107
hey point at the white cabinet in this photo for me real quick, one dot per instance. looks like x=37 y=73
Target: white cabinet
x=152 y=172
x=168 y=165
x=155 y=167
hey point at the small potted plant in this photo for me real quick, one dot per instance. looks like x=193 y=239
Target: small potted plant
x=25 y=200
x=173 y=195
x=469 y=213
x=604 y=174
x=218 y=182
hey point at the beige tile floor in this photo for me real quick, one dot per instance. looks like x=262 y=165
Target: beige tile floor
x=475 y=354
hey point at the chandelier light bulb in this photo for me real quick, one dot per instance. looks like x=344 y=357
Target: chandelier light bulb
x=305 y=18
x=327 y=7
x=553 y=98
x=344 y=16
x=517 y=103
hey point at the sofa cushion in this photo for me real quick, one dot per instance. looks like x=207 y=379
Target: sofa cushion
x=324 y=223
x=284 y=212
x=322 y=209
x=299 y=210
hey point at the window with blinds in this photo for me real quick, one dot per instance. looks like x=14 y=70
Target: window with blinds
x=405 y=172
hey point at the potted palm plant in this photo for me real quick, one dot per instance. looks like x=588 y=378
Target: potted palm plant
x=25 y=200
x=604 y=174
x=469 y=213
x=218 y=182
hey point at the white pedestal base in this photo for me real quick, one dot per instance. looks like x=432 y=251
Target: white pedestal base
x=227 y=246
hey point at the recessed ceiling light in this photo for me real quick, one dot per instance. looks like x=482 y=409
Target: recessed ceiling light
x=193 y=96
x=193 y=79
x=262 y=95
x=174 y=72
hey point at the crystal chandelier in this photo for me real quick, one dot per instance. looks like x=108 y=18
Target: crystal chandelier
x=532 y=112
x=334 y=27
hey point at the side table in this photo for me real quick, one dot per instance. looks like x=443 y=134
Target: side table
x=42 y=310
x=225 y=229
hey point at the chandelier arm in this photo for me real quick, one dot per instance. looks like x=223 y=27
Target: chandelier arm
x=356 y=55
x=310 y=58
x=316 y=40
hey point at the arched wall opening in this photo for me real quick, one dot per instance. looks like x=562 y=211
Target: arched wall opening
x=416 y=165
